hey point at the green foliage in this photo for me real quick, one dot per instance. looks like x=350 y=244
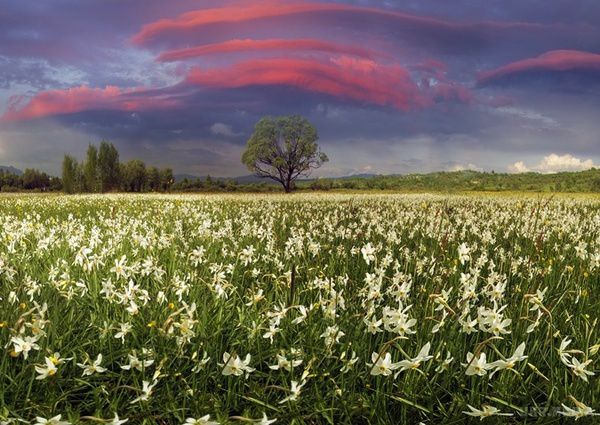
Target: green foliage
x=108 y=164
x=461 y=181
x=133 y=176
x=69 y=174
x=163 y=287
x=283 y=149
x=90 y=170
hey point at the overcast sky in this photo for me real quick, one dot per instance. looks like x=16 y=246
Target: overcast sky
x=392 y=86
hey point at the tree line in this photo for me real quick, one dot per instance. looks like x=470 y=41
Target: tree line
x=101 y=172
x=31 y=179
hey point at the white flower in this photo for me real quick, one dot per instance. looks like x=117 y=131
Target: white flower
x=117 y=421
x=414 y=363
x=49 y=369
x=284 y=363
x=233 y=365
x=485 y=412
x=295 y=392
x=382 y=364
x=579 y=369
x=463 y=253
x=136 y=363
x=204 y=420
x=368 y=253
x=510 y=362
x=332 y=335
x=125 y=328
x=56 y=420
x=476 y=366
x=25 y=345
x=146 y=391
x=265 y=420
x=89 y=368
x=564 y=354
x=580 y=411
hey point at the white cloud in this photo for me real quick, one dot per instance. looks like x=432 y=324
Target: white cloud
x=221 y=129
x=518 y=167
x=554 y=163
x=528 y=114
x=462 y=167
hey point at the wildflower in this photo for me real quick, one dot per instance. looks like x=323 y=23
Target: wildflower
x=579 y=369
x=120 y=267
x=284 y=363
x=233 y=365
x=92 y=367
x=382 y=364
x=580 y=410
x=414 y=363
x=136 y=363
x=445 y=365
x=295 y=392
x=464 y=253
x=55 y=420
x=303 y=315
x=24 y=345
x=204 y=420
x=332 y=335
x=146 y=392
x=368 y=253
x=265 y=420
x=485 y=412
x=349 y=363
x=117 y=421
x=49 y=369
x=373 y=325
x=125 y=328
x=510 y=362
x=564 y=354
x=476 y=366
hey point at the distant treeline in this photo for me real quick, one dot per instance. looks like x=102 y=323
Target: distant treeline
x=209 y=184
x=31 y=179
x=582 y=181
x=102 y=172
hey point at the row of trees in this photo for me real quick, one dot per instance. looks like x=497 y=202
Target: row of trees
x=31 y=179
x=102 y=172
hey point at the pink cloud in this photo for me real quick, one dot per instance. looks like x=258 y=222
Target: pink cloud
x=236 y=46
x=273 y=9
x=347 y=78
x=555 y=60
x=78 y=99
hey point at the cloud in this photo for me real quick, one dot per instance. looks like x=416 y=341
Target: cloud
x=221 y=129
x=345 y=77
x=247 y=45
x=528 y=115
x=554 y=163
x=518 y=167
x=430 y=29
x=462 y=167
x=552 y=61
x=83 y=98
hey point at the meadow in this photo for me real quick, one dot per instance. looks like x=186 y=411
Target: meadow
x=301 y=309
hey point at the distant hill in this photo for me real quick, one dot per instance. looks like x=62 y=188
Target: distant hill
x=442 y=181
x=10 y=170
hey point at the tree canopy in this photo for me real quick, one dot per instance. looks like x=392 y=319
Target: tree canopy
x=283 y=149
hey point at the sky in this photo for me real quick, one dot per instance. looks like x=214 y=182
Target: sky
x=391 y=86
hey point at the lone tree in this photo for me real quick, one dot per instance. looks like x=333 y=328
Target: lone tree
x=283 y=149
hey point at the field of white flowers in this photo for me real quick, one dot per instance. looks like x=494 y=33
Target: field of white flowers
x=305 y=309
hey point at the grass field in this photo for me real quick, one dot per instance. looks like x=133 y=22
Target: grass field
x=302 y=309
